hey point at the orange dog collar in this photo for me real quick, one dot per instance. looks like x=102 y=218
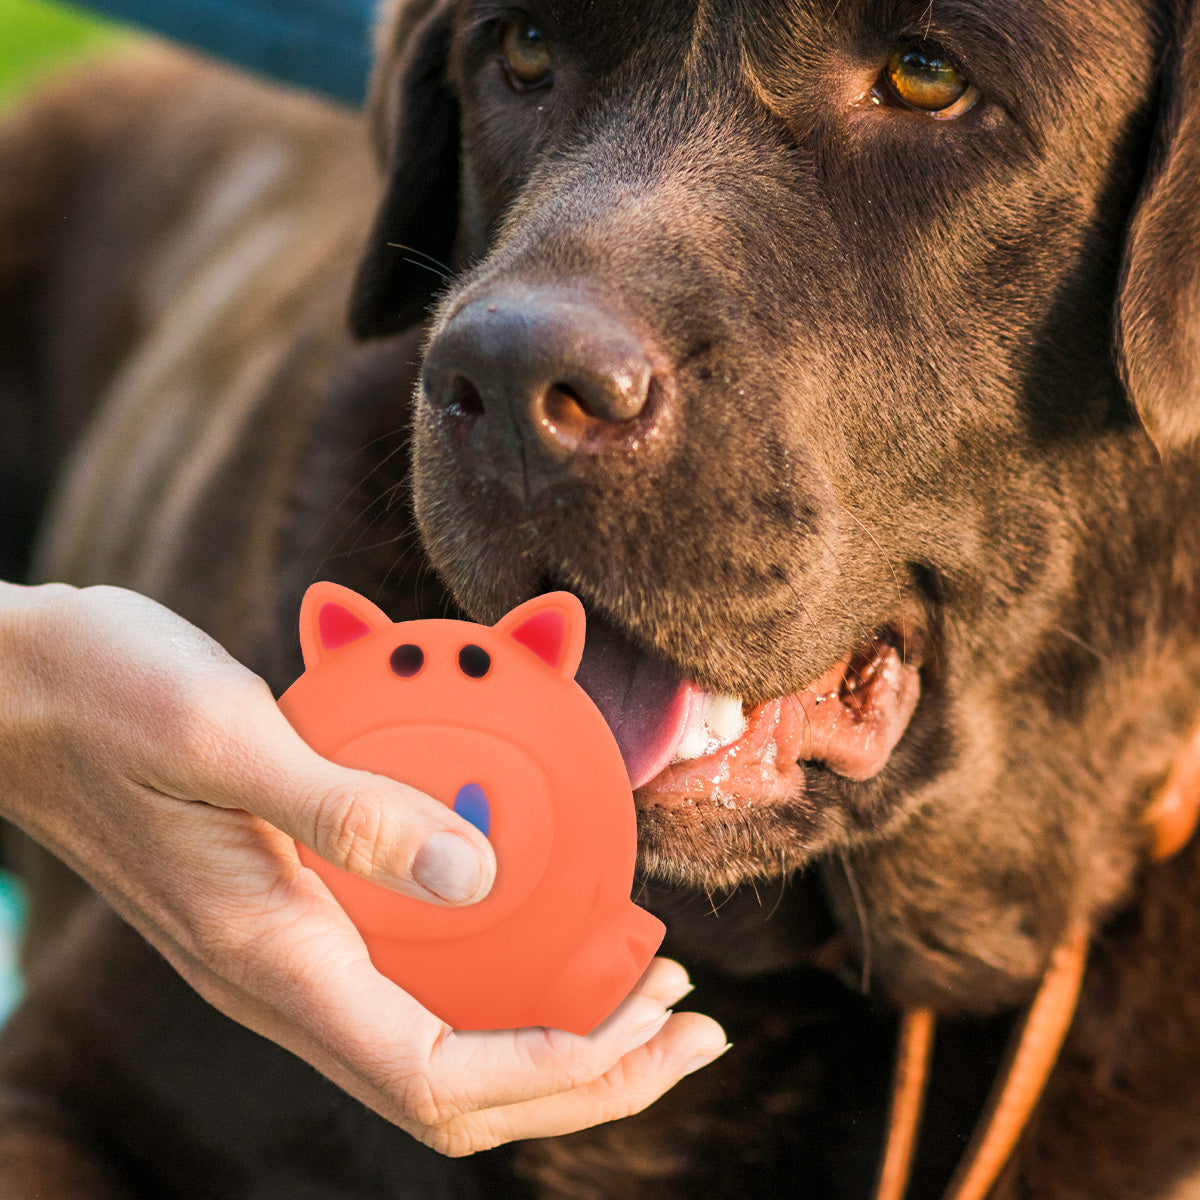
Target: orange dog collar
x=1171 y=820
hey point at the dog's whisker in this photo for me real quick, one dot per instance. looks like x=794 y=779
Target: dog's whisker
x=804 y=607
x=418 y=583
x=887 y=562
x=378 y=509
x=403 y=535
x=794 y=702
x=860 y=910
x=381 y=589
x=360 y=545
x=1082 y=643
x=434 y=264
x=863 y=632
x=783 y=882
x=829 y=550
x=383 y=437
x=402 y=486
x=333 y=510
x=386 y=460
x=713 y=905
x=367 y=519
x=414 y=262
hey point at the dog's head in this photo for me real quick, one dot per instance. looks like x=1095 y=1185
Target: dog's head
x=841 y=356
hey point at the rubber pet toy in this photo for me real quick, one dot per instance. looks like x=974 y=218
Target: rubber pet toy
x=490 y=721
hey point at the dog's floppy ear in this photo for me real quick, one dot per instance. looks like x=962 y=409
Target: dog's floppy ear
x=415 y=126
x=1159 y=304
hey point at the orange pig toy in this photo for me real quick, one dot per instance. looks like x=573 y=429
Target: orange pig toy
x=490 y=721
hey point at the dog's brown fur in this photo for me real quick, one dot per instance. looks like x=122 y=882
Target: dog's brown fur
x=892 y=395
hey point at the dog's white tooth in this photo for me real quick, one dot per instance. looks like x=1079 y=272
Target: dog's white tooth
x=725 y=719
x=694 y=743
x=695 y=738
x=718 y=722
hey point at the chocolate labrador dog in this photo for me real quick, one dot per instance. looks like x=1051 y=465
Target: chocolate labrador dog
x=842 y=357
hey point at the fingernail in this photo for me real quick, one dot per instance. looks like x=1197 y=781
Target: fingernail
x=449 y=867
x=686 y=990
x=702 y=1060
x=646 y=1032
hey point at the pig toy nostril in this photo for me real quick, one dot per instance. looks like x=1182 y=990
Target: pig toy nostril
x=471 y=804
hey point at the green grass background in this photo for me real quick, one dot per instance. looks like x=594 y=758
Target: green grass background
x=38 y=37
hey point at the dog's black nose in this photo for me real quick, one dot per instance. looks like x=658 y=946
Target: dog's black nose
x=531 y=379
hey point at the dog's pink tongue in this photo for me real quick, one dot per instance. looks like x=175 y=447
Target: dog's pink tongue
x=649 y=706
x=646 y=703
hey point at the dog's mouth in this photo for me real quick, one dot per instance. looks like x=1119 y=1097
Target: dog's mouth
x=684 y=746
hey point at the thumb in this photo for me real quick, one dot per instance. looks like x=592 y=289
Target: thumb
x=366 y=824
x=391 y=834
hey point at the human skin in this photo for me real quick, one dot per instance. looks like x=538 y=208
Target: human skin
x=161 y=770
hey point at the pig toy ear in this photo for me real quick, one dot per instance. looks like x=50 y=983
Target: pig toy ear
x=331 y=617
x=553 y=626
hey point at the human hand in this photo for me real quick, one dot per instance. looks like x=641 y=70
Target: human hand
x=162 y=771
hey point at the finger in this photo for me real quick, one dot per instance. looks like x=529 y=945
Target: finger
x=686 y=1043
x=381 y=1045
x=666 y=980
x=482 y=1070
x=245 y=755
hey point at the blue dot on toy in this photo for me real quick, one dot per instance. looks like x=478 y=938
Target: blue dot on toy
x=471 y=804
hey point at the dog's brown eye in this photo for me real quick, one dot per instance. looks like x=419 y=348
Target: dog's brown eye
x=925 y=80
x=526 y=55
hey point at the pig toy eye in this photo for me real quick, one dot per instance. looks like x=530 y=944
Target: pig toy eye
x=474 y=661
x=407 y=660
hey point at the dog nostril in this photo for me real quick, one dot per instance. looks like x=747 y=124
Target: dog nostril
x=461 y=398
x=565 y=414
x=572 y=417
